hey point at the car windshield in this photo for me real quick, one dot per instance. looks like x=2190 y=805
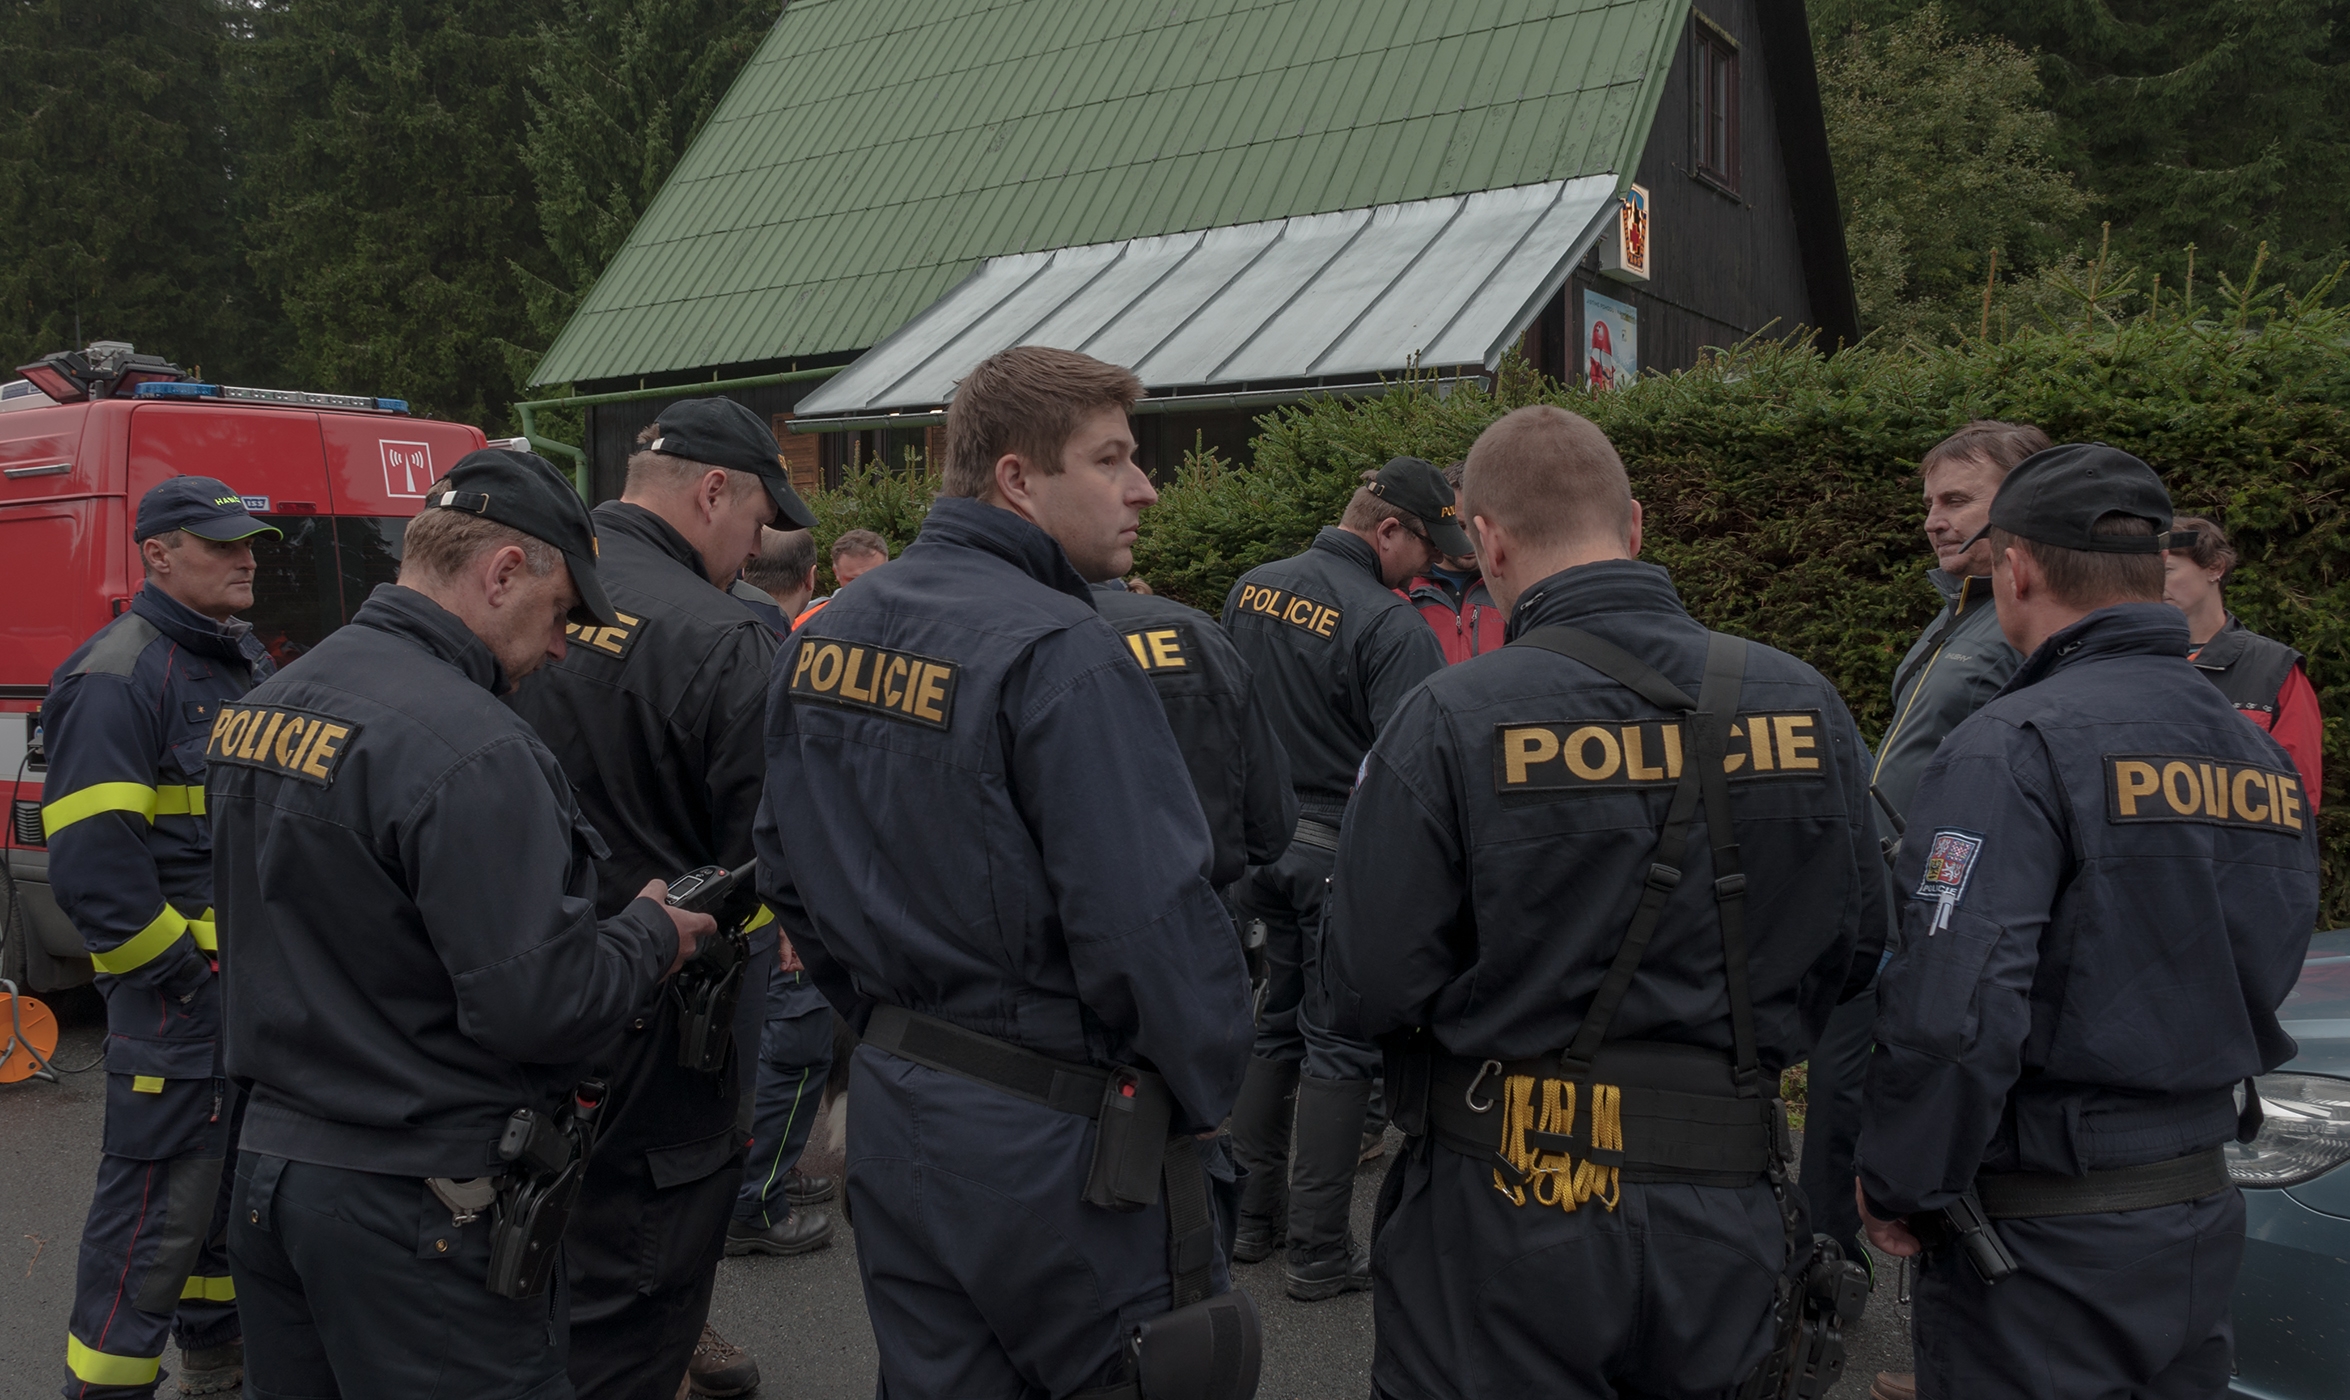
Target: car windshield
x=2323 y=993
x=309 y=583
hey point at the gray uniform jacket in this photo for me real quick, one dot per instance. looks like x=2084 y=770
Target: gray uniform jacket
x=1953 y=670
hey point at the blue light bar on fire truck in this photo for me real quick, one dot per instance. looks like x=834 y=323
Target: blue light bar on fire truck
x=283 y=398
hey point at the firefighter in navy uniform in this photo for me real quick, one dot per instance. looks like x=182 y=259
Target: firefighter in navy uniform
x=130 y=857
x=979 y=834
x=1589 y=982
x=1237 y=766
x=657 y=721
x=415 y=977
x=2110 y=883
x=1334 y=648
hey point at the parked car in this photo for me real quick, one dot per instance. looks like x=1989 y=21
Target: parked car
x=2292 y=1304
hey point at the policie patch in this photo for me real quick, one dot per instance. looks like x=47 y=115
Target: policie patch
x=612 y=641
x=1281 y=605
x=2156 y=787
x=1950 y=863
x=1162 y=650
x=895 y=684
x=1580 y=755
x=296 y=743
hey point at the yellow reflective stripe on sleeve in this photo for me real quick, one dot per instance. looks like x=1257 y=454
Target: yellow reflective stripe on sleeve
x=96 y=798
x=95 y=1367
x=146 y=1083
x=205 y=931
x=762 y=919
x=179 y=801
x=144 y=946
x=217 y=1289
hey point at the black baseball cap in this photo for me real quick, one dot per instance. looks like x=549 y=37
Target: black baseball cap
x=524 y=492
x=200 y=505
x=2057 y=496
x=1409 y=484
x=723 y=433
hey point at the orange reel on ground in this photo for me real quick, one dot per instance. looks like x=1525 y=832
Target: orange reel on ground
x=22 y=1020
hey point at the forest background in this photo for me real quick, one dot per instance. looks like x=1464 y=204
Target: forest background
x=409 y=196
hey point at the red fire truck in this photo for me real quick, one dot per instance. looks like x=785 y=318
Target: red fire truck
x=82 y=437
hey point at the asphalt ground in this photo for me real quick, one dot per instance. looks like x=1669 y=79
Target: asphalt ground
x=803 y=1317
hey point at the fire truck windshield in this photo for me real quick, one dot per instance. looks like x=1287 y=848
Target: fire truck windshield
x=309 y=583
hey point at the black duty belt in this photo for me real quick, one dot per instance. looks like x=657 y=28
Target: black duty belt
x=1317 y=833
x=2030 y=1195
x=1654 y=1112
x=947 y=1047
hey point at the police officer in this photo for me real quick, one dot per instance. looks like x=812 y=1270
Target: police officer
x=130 y=858
x=657 y=723
x=2110 y=881
x=1957 y=663
x=1237 y=765
x=1334 y=649
x=414 y=969
x=980 y=836
x=1590 y=978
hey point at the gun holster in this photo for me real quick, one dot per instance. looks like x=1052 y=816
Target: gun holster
x=707 y=990
x=1212 y=1350
x=1963 y=1226
x=1130 y=1148
x=547 y=1157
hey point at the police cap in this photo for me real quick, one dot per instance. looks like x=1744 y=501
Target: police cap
x=723 y=433
x=1409 y=484
x=2057 y=496
x=201 y=506
x=524 y=492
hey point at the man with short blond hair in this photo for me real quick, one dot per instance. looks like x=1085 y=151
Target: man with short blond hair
x=1595 y=892
x=982 y=839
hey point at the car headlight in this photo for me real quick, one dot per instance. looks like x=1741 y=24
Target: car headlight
x=2304 y=1132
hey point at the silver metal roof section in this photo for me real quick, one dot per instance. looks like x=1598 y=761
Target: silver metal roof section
x=1308 y=303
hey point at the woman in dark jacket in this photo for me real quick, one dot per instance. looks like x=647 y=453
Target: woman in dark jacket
x=2263 y=677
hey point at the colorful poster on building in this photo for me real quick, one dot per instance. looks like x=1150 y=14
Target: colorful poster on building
x=1611 y=342
x=1623 y=253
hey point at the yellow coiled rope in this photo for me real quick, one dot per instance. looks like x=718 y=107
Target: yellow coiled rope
x=1557 y=1178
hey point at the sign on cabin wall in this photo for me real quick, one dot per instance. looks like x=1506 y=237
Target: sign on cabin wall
x=1611 y=342
x=1623 y=248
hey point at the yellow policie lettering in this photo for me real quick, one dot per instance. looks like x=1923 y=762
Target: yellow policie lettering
x=899 y=685
x=1158 y=649
x=295 y=743
x=2163 y=788
x=1305 y=614
x=612 y=641
x=1613 y=754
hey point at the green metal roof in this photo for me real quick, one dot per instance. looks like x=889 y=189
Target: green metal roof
x=873 y=151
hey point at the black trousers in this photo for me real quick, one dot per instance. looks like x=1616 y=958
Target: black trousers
x=1475 y=1298
x=2131 y=1305
x=650 y=1226
x=1831 y=1121
x=358 y=1286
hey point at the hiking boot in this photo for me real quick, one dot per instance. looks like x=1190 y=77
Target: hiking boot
x=1894 y=1385
x=1254 y=1240
x=1374 y=1145
x=797 y=1233
x=809 y=1190
x=1311 y=1283
x=720 y=1367
x=216 y=1370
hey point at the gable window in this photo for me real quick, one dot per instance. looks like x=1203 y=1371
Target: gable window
x=1713 y=81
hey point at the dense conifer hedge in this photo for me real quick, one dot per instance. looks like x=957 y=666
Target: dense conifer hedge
x=1781 y=486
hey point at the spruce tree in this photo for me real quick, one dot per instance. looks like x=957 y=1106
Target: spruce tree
x=386 y=138
x=622 y=86
x=116 y=185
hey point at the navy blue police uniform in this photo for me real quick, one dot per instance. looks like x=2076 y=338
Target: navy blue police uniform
x=1334 y=650
x=1237 y=765
x=2110 y=884
x=979 y=834
x=411 y=953
x=130 y=859
x=657 y=721
x=1495 y=871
